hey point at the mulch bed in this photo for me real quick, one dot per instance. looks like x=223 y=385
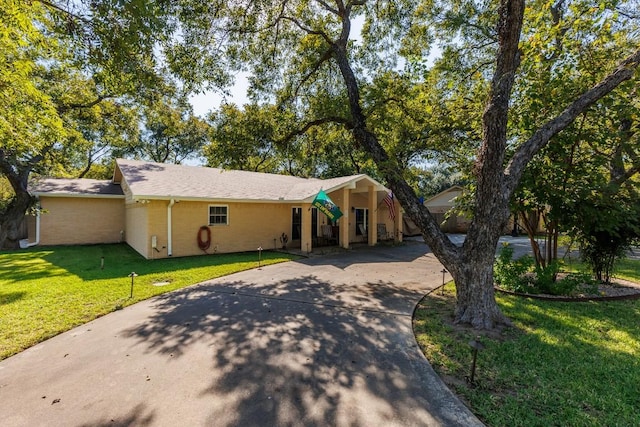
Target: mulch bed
x=618 y=290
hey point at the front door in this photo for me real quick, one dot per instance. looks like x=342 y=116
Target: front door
x=314 y=224
x=296 y=223
x=362 y=223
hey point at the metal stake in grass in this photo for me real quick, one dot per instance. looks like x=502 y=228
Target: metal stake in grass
x=132 y=275
x=259 y=255
x=475 y=345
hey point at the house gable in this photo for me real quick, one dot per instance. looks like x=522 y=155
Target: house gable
x=444 y=200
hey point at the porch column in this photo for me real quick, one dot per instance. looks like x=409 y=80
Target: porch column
x=372 y=226
x=306 y=241
x=397 y=222
x=345 y=221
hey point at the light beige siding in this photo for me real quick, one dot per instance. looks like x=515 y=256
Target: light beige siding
x=80 y=221
x=251 y=225
x=157 y=226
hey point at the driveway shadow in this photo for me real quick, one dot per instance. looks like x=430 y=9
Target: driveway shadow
x=277 y=357
x=317 y=342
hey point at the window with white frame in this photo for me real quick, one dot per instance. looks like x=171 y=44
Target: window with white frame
x=218 y=215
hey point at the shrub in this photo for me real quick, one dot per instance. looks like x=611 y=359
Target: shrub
x=512 y=274
x=574 y=282
x=520 y=276
x=545 y=280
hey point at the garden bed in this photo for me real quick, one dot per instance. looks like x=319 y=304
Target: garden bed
x=619 y=289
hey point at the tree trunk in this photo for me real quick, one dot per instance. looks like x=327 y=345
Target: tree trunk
x=12 y=219
x=472 y=265
x=473 y=271
x=476 y=303
x=530 y=221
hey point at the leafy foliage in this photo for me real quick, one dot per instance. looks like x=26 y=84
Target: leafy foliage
x=68 y=77
x=564 y=43
x=522 y=275
x=605 y=236
x=169 y=131
x=510 y=273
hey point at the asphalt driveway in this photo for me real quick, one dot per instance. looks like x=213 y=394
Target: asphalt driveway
x=325 y=341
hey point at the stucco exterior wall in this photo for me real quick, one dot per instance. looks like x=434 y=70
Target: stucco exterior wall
x=79 y=221
x=250 y=225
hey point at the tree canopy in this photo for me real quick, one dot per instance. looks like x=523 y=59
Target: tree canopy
x=65 y=78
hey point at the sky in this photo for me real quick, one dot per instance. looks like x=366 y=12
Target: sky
x=210 y=100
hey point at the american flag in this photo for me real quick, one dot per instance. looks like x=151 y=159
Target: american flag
x=392 y=209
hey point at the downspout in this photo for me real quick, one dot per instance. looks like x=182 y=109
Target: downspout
x=169 y=239
x=37 y=242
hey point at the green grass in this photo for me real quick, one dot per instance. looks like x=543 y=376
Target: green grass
x=46 y=291
x=627 y=269
x=563 y=364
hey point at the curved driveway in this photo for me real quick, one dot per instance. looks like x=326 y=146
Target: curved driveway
x=325 y=341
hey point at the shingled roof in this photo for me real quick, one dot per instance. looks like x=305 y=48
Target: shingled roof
x=75 y=187
x=146 y=180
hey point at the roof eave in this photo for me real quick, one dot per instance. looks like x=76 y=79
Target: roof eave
x=137 y=198
x=79 y=196
x=351 y=185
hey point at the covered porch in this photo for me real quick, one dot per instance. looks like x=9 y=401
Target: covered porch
x=369 y=214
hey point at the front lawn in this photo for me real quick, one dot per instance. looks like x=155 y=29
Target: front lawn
x=45 y=291
x=562 y=364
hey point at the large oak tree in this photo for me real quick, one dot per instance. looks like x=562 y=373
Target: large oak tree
x=305 y=58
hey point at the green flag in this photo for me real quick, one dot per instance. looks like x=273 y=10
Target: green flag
x=326 y=206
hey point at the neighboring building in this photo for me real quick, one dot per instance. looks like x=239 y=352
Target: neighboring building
x=442 y=203
x=164 y=210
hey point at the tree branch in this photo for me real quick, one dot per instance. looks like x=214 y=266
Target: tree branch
x=308 y=30
x=490 y=158
x=328 y=8
x=540 y=138
x=64 y=11
x=64 y=108
x=313 y=123
x=325 y=57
